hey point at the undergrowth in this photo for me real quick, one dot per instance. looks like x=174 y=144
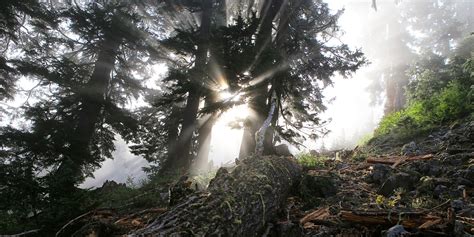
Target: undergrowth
x=310 y=161
x=433 y=106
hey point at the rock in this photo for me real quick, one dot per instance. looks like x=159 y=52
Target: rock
x=430 y=168
x=380 y=173
x=396 y=231
x=457 y=205
x=395 y=181
x=282 y=150
x=439 y=191
x=410 y=149
x=110 y=185
x=317 y=186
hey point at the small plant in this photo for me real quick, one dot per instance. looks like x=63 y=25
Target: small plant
x=391 y=201
x=359 y=157
x=310 y=161
x=364 y=140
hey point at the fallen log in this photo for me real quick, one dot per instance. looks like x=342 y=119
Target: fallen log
x=237 y=203
x=396 y=160
x=407 y=219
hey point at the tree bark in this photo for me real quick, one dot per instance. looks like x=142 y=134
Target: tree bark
x=237 y=203
x=204 y=142
x=182 y=160
x=93 y=97
x=259 y=102
x=172 y=127
x=208 y=120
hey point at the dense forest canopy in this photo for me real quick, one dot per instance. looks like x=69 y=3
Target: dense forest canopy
x=89 y=63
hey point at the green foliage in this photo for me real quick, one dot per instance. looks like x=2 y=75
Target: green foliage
x=434 y=101
x=310 y=161
x=365 y=139
x=359 y=157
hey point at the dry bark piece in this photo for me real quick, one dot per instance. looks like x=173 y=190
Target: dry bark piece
x=319 y=214
x=396 y=160
x=407 y=219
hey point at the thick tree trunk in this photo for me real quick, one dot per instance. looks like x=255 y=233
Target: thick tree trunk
x=238 y=203
x=93 y=97
x=183 y=148
x=182 y=160
x=258 y=104
x=208 y=120
x=204 y=143
x=258 y=107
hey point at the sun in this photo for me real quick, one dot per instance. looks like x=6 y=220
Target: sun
x=228 y=130
x=226 y=95
x=225 y=142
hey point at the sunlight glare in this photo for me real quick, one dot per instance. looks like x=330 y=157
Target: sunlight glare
x=226 y=140
x=226 y=95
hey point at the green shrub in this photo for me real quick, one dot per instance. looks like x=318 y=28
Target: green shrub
x=364 y=140
x=310 y=161
x=452 y=102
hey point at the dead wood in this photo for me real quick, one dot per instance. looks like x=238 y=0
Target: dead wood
x=237 y=203
x=396 y=160
x=407 y=219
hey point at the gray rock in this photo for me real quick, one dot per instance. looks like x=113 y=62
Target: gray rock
x=430 y=168
x=396 y=231
x=395 y=181
x=410 y=149
x=457 y=205
x=440 y=190
x=380 y=173
x=282 y=150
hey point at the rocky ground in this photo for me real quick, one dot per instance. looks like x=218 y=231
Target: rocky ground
x=420 y=187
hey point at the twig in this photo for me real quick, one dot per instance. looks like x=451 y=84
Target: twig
x=440 y=205
x=25 y=233
x=72 y=221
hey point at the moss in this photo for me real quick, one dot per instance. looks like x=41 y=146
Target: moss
x=310 y=161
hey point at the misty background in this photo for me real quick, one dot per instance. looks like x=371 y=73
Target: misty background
x=388 y=37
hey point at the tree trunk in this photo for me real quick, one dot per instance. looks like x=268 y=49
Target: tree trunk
x=172 y=127
x=221 y=15
x=182 y=160
x=280 y=40
x=238 y=203
x=258 y=104
x=204 y=142
x=93 y=97
x=208 y=121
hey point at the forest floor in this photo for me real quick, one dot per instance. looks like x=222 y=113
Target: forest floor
x=417 y=186
x=420 y=187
